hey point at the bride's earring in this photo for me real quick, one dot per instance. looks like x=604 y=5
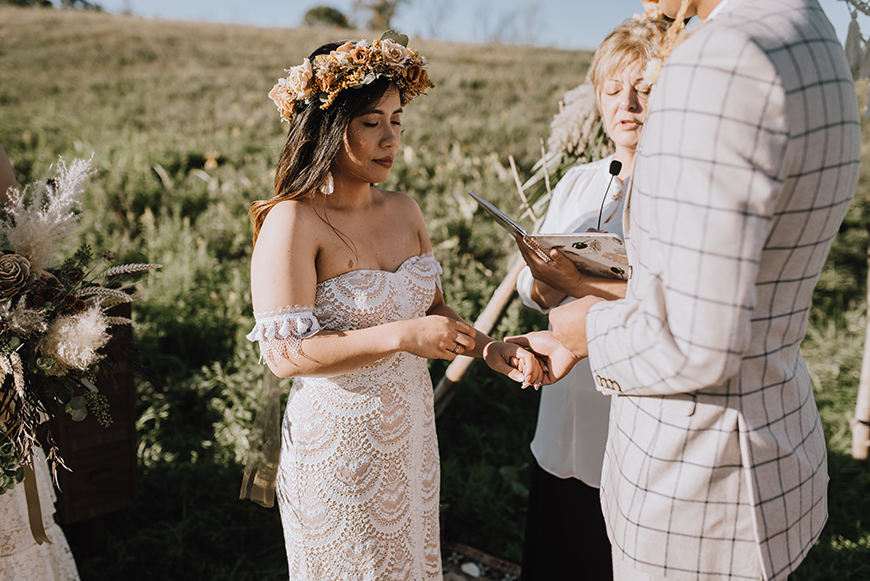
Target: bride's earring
x=329 y=186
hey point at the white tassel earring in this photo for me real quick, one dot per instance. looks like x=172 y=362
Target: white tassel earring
x=329 y=186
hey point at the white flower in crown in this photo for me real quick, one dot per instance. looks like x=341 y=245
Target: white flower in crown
x=298 y=80
x=395 y=55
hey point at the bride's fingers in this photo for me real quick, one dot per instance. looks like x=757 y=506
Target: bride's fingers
x=465 y=342
x=465 y=328
x=528 y=366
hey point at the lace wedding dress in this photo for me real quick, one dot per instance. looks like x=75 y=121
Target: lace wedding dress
x=21 y=559
x=359 y=474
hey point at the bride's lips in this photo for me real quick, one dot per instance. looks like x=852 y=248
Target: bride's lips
x=387 y=162
x=630 y=124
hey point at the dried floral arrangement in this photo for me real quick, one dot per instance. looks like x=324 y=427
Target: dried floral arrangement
x=577 y=136
x=54 y=323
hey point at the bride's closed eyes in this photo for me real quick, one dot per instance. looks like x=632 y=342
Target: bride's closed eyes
x=397 y=123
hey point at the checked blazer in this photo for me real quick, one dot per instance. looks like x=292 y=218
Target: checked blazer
x=716 y=462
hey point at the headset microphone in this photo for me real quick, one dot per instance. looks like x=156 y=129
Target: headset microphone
x=615 y=168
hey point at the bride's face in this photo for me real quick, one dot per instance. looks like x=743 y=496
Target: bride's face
x=371 y=142
x=623 y=98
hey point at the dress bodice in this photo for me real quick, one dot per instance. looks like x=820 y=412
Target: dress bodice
x=365 y=298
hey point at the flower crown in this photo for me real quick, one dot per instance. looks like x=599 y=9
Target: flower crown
x=351 y=66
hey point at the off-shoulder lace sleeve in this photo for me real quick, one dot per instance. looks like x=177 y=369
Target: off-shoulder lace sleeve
x=430 y=257
x=280 y=331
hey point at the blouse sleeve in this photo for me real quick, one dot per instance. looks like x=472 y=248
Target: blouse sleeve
x=524 y=288
x=280 y=332
x=553 y=222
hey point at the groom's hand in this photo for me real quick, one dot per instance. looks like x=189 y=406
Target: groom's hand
x=558 y=361
x=569 y=325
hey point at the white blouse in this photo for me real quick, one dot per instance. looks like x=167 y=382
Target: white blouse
x=572 y=419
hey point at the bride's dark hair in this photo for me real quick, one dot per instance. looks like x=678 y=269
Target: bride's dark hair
x=313 y=142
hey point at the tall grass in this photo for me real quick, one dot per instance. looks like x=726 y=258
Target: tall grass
x=184 y=139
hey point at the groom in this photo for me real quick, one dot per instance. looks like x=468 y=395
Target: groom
x=716 y=464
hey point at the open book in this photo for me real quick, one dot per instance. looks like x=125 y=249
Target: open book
x=594 y=253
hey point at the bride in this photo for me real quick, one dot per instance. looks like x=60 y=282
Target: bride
x=348 y=301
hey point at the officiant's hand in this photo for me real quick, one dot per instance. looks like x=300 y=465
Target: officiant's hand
x=557 y=360
x=559 y=274
x=569 y=325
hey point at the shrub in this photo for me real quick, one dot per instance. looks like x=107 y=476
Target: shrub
x=325 y=16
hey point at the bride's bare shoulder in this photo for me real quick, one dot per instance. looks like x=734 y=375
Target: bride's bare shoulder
x=289 y=225
x=407 y=208
x=403 y=204
x=289 y=212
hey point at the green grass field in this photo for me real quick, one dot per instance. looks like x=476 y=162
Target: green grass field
x=183 y=138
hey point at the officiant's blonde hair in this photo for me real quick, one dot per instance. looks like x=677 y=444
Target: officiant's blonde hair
x=635 y=41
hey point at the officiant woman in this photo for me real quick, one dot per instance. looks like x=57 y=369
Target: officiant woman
x=565 y=532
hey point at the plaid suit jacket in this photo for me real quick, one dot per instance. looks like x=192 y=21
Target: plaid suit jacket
x=716 y=462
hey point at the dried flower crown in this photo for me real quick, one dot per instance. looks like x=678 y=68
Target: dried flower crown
x=352 y=65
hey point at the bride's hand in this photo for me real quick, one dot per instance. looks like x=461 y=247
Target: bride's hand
x=436 y=337
x=520 y=365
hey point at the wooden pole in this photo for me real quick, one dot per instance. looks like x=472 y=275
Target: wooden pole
x=861 y=421
x=519 y=183
x=446 y=388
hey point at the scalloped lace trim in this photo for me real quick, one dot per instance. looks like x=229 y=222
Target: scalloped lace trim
x=280 y=332
x=431 y=255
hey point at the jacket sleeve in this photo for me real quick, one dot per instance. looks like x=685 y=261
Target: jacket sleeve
x=707 y=177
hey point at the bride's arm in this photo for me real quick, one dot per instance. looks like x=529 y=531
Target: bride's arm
x=283 y=275
x=331 y=353
x=506 y=358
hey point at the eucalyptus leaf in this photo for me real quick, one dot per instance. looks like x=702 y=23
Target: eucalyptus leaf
x=87 y=383
x=396 y=37
x=77 y=408
x=45 y=363
x=369 y=79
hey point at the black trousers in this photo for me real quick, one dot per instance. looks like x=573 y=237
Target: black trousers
x=565 y=535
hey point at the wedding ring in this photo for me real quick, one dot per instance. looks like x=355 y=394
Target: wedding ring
x=457 y=348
